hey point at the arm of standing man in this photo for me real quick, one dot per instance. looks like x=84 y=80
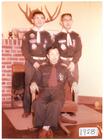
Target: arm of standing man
x=26 y=50
x=77 y=54
x=35 y=83
x=78 y=50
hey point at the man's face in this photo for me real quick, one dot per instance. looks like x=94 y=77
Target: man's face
x=66 y=22
x=53 y=56
x=38 y=20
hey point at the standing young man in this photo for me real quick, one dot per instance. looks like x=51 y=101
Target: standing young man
x=50 y=81
x=70 y=47
x=69 y=44
x=34 y=45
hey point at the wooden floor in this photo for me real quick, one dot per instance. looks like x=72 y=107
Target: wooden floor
x=8 y=131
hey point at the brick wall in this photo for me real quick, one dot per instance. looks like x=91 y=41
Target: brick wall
x=11 y=54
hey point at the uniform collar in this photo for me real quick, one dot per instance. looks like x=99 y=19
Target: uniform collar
x=57 y=64
x=38 y=30
x=64 y=31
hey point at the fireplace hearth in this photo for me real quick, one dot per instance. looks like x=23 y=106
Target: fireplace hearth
x=18 y=84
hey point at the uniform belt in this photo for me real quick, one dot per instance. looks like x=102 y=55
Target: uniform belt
x=67 y=58
x=38 y=58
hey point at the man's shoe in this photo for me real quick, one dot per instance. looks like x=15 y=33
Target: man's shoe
x=49 y=133
x=66 y=120
x=43 y=133
x=26 y=114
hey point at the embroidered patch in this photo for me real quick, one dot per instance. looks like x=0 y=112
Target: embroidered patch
x=44 y=45
x=61 y=77
x=32 y=41
x=73 y=43
x=32 y=35
x=24 y=38
x=63 y=47
x=34 y=46
x=45 y=41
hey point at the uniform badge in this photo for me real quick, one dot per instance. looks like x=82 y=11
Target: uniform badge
x=24 y=38
x=44 y=45
x=63 y=47
x=34 y=46
x=45 y=41
x=73 y=41
x=32 y=41
x=32 y=35
x=61 y=77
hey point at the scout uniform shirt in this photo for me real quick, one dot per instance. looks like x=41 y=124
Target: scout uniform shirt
x=69 y=47
x=31 y=48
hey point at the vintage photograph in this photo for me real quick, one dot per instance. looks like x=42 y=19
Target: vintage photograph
x=52 y=69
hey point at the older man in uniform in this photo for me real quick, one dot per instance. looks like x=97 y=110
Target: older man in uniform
x=34 y=45
x=49 y=81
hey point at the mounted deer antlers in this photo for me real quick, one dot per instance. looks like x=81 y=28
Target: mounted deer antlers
x=28 y=13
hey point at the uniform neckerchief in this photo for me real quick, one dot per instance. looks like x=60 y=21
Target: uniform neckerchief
x=38 y=33
x=69 y=41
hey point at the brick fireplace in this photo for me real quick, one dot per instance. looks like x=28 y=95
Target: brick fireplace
x=11 y=55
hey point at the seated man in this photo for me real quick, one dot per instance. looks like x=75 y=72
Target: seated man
x=49 y=81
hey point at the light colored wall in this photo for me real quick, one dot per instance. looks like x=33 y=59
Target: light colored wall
x=87 y=21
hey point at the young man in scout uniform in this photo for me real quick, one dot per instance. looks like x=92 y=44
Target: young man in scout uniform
x=49 y=82
x=69 y=44
x=70 y=47
x=34 y=45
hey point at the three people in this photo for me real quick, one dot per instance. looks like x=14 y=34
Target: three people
x=49 y=77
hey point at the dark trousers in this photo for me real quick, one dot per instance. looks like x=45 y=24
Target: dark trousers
x=47 y=107
x=29 y=72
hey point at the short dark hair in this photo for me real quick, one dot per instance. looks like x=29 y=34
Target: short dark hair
x=52 y=46
x=35 y=12
x=66 y=14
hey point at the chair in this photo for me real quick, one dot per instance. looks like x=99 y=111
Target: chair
x=70 y=106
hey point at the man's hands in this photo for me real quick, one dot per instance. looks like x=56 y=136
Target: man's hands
x=33 y=89
x=36 y=65
x=71 y=66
